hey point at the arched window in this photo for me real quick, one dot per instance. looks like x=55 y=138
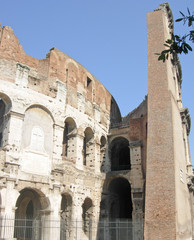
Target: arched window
x=37 y=131
x=120 y=199
x=88 y=148
x=2 y=112
x=5 y=107
x=120 y=154
x=69 y=138
x=37 y=140
x=87 y=213
x=29 y=205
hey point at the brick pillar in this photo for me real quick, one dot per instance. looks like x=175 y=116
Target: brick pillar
x=166 y=207
x=160 y=173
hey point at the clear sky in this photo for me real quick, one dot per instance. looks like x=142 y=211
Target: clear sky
x=108 y=37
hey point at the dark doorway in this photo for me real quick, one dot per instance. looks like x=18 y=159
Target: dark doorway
x=120 y=154
x=120 y=199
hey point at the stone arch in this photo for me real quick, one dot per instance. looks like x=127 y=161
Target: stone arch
x=37 y=141
x=38 y=117
x=43 y=108
x=116 y=206
x=30 y=205
x=7 y=101
x=119 y=154
x=69 y=138
x=88 y=147
x=70 y=60
x=5 y=108
x=87 y=215
x=117 y=203
x=40 y=201
x=66 y=212
x=120 y=199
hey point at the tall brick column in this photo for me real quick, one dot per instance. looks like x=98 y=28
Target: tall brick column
x=166 y=207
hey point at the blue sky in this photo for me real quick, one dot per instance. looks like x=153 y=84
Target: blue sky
x=108 y=37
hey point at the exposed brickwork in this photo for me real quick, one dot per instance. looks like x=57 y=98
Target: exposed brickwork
x=162 y=208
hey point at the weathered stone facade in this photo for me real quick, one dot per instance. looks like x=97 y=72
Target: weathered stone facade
x=66 y=153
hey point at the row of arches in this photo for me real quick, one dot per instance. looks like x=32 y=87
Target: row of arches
x=119 y=152
x=37 y=135
x=33 y=205
x=69 y=149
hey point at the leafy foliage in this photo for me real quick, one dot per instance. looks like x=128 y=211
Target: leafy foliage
x=179 y=44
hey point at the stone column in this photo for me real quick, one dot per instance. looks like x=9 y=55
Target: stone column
x=137 y=189
x=14 y=137
x=77 y=217
x=9 y=197
x=80 y=139
x=57 y=142
x=97 y=157
x=53 y=216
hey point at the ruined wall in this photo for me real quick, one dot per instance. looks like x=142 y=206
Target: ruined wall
x=55 y=117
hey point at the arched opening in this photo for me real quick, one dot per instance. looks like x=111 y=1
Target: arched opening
x=69 y=138
x=2 y=113
x=88 y=148
x=66 y=211
x=5 y=107
x=116 y=210
x=29 y=205
x=87 y=213
x=120 y=154
x=120 y=199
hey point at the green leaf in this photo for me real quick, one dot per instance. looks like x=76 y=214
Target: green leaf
x=177 y=38
x=188 y=46
x=190 y=22
x=169 y=41
x=179 y=19
x=188 y=11
x=182 y=14
x=166 y=51
x=185 y=49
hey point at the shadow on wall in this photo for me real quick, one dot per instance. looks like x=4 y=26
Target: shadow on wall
x=115 y=120
x=5 y=108
x=115 y=114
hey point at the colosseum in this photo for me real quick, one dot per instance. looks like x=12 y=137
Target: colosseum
x=71 y=167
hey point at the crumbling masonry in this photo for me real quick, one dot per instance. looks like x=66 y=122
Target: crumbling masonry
x=67 y=154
